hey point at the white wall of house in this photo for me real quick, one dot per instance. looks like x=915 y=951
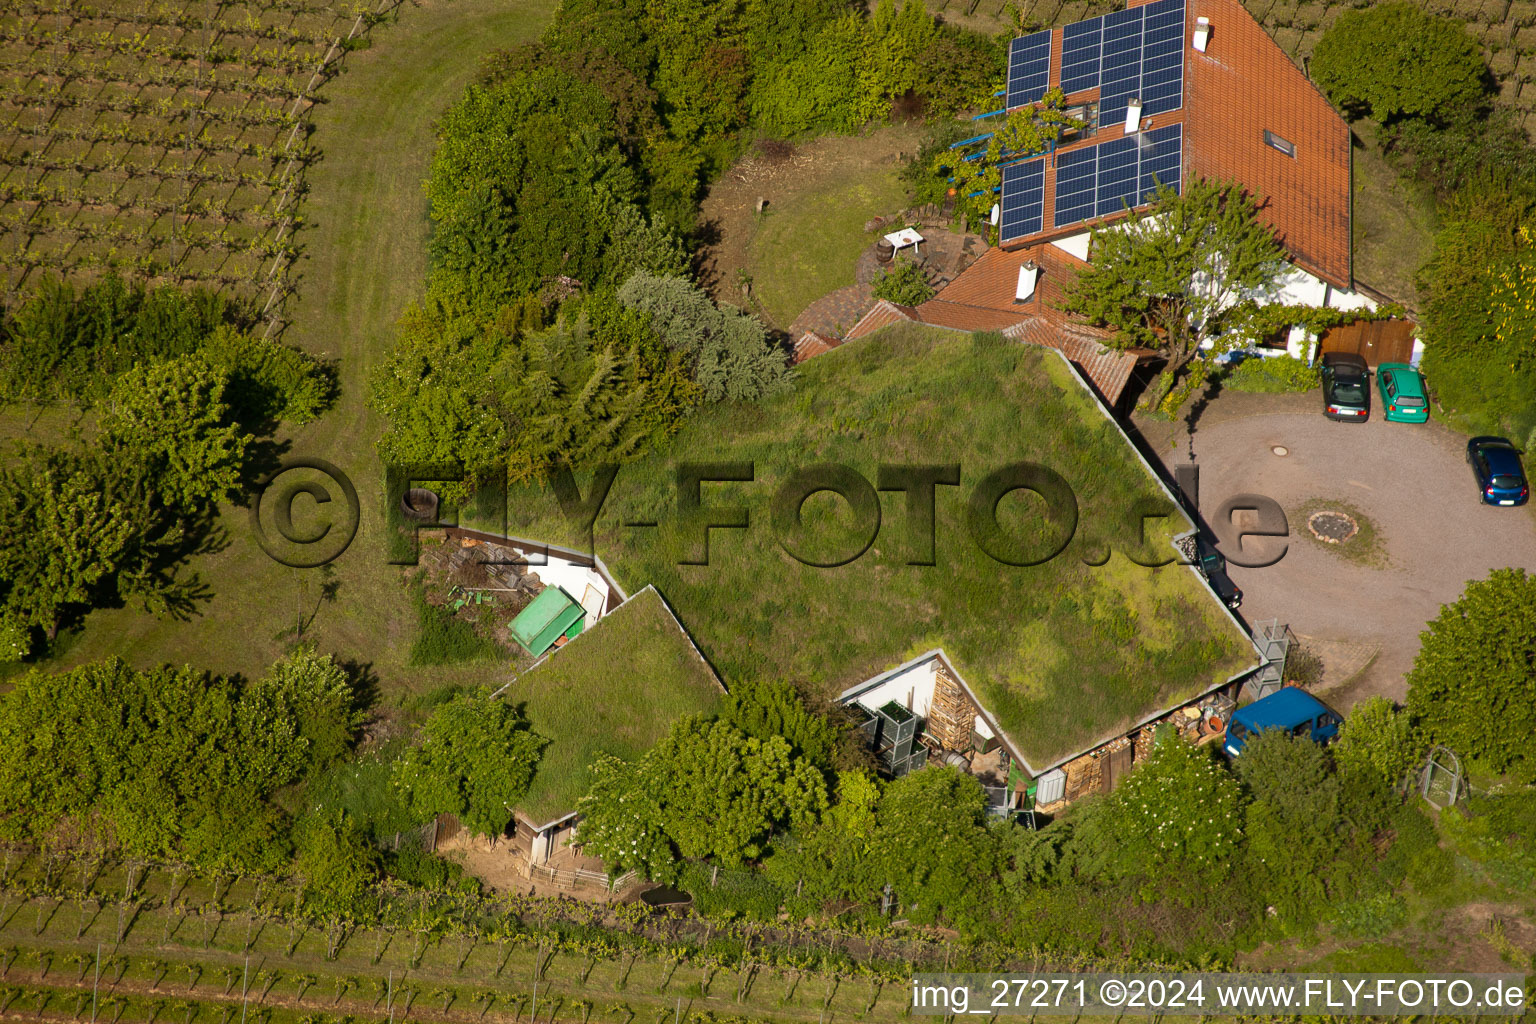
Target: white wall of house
x=1076 y=244
x=580 y=581
x=913 y=690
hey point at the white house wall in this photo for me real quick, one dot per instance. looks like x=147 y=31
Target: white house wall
x=1076 y=244
x=913 y=690
x=572 y=578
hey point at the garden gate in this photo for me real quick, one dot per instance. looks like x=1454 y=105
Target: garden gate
x=1441 y=781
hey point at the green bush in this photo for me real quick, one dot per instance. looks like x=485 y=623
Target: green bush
x=1496 y=833
x=60 y=342
x=1471 y=686
x=1370 y=917
x=1177 y=813
x=1415 y=855
x=1272 y=376
x=735 y=892
x=1377 y=739
x=1395 y=60
x=444 y=639
x=1476 y=376
x=904 y=284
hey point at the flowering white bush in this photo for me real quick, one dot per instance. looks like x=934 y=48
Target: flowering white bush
x=1178 y=808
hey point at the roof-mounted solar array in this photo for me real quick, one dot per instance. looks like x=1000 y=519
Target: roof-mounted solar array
x=1029 y=68
x=1097 y=181
x=1137 y=52
x=1023 y=202
x=1080 y=44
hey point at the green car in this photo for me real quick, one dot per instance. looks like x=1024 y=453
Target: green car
x=1402 y=393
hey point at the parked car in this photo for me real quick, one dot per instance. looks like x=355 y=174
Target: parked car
x=1294 y=710
x=1495 y=462
x=1346 y=387
x=1403 y=398
x=1213 y=566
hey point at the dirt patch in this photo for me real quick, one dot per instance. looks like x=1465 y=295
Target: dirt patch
x=796 y=184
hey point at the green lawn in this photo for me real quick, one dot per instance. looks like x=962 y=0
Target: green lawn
x=1062 y=653
x=805 y=244
x=615 y=689
x=364 y=259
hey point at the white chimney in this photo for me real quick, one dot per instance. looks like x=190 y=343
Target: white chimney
x=1132 y=116
x=997 y=212
x=1202 y=33
x=1029 y=273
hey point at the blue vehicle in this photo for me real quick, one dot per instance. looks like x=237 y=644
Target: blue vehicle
x=1291 y=709
x=1495 y=463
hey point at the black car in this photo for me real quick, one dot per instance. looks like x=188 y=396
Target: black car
x=1213 y=566
x=1495 y=463
x=1346 y=388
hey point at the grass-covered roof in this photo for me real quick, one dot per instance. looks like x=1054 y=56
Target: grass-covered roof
x=1062 y=654
x=615 y=689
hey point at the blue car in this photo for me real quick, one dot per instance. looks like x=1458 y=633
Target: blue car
x=1296 y=711
x=1495 y=463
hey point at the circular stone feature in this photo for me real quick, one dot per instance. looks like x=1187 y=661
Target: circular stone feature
x=1281 y=450
x=1332 y=527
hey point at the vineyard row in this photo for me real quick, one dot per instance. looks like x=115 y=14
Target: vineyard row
x=211 y=80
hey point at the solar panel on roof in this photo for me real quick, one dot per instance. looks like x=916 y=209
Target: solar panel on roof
x=1162 y=57
x=1029 y=68
x=1075 y=186
x=1118 y=174
x=1080 y=55
x=1101 y=180
x=1023 y=202
x=1162 y=158
x=1137 y=52
x=1120 y=76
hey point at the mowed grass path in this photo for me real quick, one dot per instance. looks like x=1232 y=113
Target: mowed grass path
x=364 y=260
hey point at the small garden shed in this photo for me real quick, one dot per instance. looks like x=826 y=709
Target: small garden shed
x=551 y=617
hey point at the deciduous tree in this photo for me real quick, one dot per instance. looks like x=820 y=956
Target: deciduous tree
x=1397 y=60
x=476 y=757
x=1167 y=278
x=170 y=420
x=1473 y=683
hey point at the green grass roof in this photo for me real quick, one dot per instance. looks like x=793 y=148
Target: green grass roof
x=615 y=689
x=1063 y=654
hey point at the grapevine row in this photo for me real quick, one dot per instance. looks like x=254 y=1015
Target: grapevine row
x=134 y=136
x=284 y=87
x=294 y=7
x=131 y=169
x=134 y=106
x=139 y=45
x=204 y=209
x=175 y=18
x=146 y=265
x=216 y=241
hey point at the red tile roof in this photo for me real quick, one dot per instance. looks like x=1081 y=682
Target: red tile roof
x=813 y=343
x=883 y=314
x=1241 y=86
x=982 y=299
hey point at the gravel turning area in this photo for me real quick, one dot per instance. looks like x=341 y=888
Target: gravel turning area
x=1412 y=482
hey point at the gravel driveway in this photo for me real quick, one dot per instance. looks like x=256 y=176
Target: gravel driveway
x=1410 y=481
